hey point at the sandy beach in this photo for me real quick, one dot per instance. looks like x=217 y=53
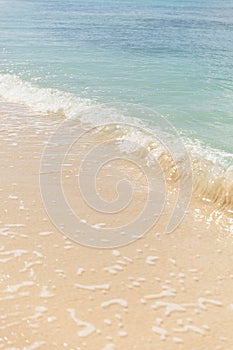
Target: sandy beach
x=164 y=291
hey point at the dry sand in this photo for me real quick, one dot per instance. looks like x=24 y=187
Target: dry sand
x=164 y=291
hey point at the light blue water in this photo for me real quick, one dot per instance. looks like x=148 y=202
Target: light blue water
x=174 y=56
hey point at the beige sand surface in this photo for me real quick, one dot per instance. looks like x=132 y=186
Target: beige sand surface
x=164 y=291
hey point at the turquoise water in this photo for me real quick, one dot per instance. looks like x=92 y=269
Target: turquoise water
x=173 y=56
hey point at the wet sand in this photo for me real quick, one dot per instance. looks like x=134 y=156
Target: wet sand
x=164 y=291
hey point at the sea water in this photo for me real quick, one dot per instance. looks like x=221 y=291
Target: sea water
x=173 y=56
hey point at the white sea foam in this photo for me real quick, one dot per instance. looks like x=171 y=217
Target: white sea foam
x=35 y=345
x=93 y=287
x=38 y=99
x=88 y=328
x=165 y=293
x=169 y=307
x=150 y=260
x=160 y=331
x=15 y=252
x=16 y=287
x=190 y=328
x=118 y=301
x=109 y=346
x=45 y=293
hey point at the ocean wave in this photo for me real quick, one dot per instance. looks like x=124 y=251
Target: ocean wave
x=211 y=172
x=13 y=89
x=212 y=168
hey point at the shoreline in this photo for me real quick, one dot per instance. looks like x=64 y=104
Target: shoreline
x=165 y=290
